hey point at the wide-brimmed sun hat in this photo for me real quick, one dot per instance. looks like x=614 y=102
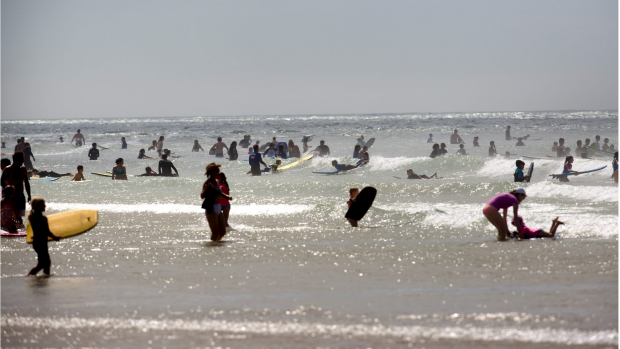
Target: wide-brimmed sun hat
x=212 y=166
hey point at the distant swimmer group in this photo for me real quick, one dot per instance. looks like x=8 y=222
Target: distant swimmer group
x=216 y=189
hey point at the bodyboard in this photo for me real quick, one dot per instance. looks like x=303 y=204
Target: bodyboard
x=530 y=172
x=68 y=224
x=50 y=179
x=362 y=203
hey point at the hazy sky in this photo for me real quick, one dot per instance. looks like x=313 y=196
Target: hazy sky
x=139 y=58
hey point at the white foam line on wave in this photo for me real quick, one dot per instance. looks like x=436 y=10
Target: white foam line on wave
x=245 y=210
x=409 y=333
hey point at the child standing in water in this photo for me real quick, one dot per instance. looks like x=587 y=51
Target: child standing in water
x=79 y=176
x=353 y=192
x=40 y=233
x=568 y=168
x=529 y=233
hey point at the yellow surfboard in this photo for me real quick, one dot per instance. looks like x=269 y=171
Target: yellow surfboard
x=307 y=157
x=67 y=224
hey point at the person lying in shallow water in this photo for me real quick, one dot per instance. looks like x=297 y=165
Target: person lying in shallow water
x=41 y=174
x=413 y=175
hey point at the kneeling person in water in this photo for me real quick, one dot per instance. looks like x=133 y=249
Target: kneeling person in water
x=166 y=166
x=413 y=175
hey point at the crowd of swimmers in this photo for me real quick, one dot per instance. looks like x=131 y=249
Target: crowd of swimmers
x=216 y=190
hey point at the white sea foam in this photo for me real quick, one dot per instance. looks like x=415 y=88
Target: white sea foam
x=582 y=193
x=580 y=222
x=409 y=333
x=242 y=210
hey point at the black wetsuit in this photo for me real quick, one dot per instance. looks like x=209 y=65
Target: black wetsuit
x=27 y=155
x=40 y=233
x=93 y=153
x=52 y=174
x=165 y=168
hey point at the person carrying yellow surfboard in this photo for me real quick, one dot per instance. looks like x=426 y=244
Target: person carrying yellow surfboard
x=40 y=231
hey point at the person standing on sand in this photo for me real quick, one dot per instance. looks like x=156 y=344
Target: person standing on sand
x=16 y=175
x=503 y=202
x=40 y=233
x=219 y=148
x=79 y=139
x=211 y=193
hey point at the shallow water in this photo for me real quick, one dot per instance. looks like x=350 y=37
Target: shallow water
x=423 y=270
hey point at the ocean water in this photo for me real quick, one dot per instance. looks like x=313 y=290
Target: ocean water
x=423 y=270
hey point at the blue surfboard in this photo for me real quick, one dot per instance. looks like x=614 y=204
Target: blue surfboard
x=573 y=174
